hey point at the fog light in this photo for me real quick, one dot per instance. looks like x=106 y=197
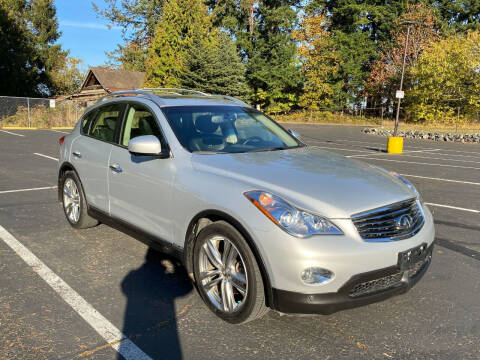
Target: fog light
x=315 y=275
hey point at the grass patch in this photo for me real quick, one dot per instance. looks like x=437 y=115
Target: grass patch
x=63 y=115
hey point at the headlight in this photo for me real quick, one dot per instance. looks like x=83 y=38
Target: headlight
x=295 y=221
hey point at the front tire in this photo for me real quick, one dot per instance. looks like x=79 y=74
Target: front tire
x=74 y=203
x=227 y=275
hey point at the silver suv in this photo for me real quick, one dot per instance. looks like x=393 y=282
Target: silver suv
x=259 y=219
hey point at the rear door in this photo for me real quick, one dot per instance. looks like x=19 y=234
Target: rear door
x=140 y=187
x=91 y=151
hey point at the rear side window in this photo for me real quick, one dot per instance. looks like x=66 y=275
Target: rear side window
x=106 y=120
x=86 y=121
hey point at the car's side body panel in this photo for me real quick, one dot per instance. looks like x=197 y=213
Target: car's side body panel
x=90 y=158
x=141 y=193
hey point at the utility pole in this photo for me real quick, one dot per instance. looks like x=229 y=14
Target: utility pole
x=400 y=93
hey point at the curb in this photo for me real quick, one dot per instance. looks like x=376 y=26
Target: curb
x=19 y=128
x=35 y=128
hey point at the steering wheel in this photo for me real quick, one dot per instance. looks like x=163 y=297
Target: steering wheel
x=253 y=139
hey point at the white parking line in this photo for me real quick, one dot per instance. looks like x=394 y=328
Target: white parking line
x=440 y=179
x=63 y=132
x=422 y=163
x=407 y=153
x=332 y=148
x=46 y=156
x=454 y=207
x=31 y=189
x=97 y=321
x=477 y=154
x=11 y=133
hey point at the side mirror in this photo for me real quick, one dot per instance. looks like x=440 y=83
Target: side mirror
x=295 y=134
x=146 y=145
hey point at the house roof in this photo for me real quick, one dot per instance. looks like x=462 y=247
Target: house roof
x=114 y=80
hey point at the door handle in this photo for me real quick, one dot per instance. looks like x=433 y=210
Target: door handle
x=77 y=154
x=116 y=168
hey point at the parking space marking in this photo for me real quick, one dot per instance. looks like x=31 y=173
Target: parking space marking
x=407 y=153
x=112 y=335
x=422 y=163
x=440 y=179
x=31 y=189
x=331 y=148
x=11 y=133
x=454 y=207
x=46 y=156
x=477 y=154
x=63 y=132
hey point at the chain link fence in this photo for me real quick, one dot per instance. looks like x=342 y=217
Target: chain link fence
x=39 y=112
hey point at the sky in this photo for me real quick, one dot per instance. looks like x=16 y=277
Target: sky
x=84 y=34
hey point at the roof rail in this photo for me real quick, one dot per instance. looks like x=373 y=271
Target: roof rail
x=152 y=93
x=175 y=91
x=137 y=92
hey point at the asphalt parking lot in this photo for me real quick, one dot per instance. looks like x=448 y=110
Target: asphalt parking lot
x=81 y=290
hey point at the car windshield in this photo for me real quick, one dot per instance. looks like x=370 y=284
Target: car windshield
x=226 y=129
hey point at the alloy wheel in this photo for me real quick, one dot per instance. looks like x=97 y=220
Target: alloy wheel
x=223 y=274
x=71 y=200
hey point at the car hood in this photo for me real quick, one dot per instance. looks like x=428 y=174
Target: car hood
x=316 y=180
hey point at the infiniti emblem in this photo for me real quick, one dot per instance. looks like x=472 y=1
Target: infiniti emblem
x=403 y=222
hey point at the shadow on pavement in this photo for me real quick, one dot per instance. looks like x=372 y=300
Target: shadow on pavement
x=150 y=316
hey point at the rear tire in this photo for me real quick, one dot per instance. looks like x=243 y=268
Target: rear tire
x=227 y=275
x=74 y=203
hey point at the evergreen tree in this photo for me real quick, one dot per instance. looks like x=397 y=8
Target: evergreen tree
x=138 y=19
x=37 y=59
x=182 y=22
x=460 y=15
x=215 y=67
x=42 y=18
x=272 y=71
x=19 y=65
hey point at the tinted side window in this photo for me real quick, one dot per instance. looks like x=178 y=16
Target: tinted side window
x=106 y=120
x=87 y=120
x=139 y=121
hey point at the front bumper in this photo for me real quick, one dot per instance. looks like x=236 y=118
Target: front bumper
x=393 y=281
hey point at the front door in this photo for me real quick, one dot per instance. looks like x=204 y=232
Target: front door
x=140 y=186
x=91 y=151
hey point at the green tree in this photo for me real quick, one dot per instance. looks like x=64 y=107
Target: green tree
x=272 y=71
x=19 y=65
x=182 y=21
x=215 y=67
x=447 y=78
x=460 y=15
x=66 y=76
x=34 y=61
x=319 y=60
x=138 y=19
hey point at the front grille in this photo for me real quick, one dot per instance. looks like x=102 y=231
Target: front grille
x=389 y=223
x=387 y=282
x=376 y=285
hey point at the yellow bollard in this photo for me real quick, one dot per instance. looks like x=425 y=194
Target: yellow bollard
x=395 y=145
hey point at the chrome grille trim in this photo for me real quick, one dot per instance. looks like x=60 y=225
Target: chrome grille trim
x=379 y=225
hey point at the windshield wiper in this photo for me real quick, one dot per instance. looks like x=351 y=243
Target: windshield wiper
x=270 y=149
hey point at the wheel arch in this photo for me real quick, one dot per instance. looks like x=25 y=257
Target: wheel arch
x=207 y=217
x=65 y=167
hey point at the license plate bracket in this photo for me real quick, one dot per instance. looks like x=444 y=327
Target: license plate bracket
x=408 y=258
